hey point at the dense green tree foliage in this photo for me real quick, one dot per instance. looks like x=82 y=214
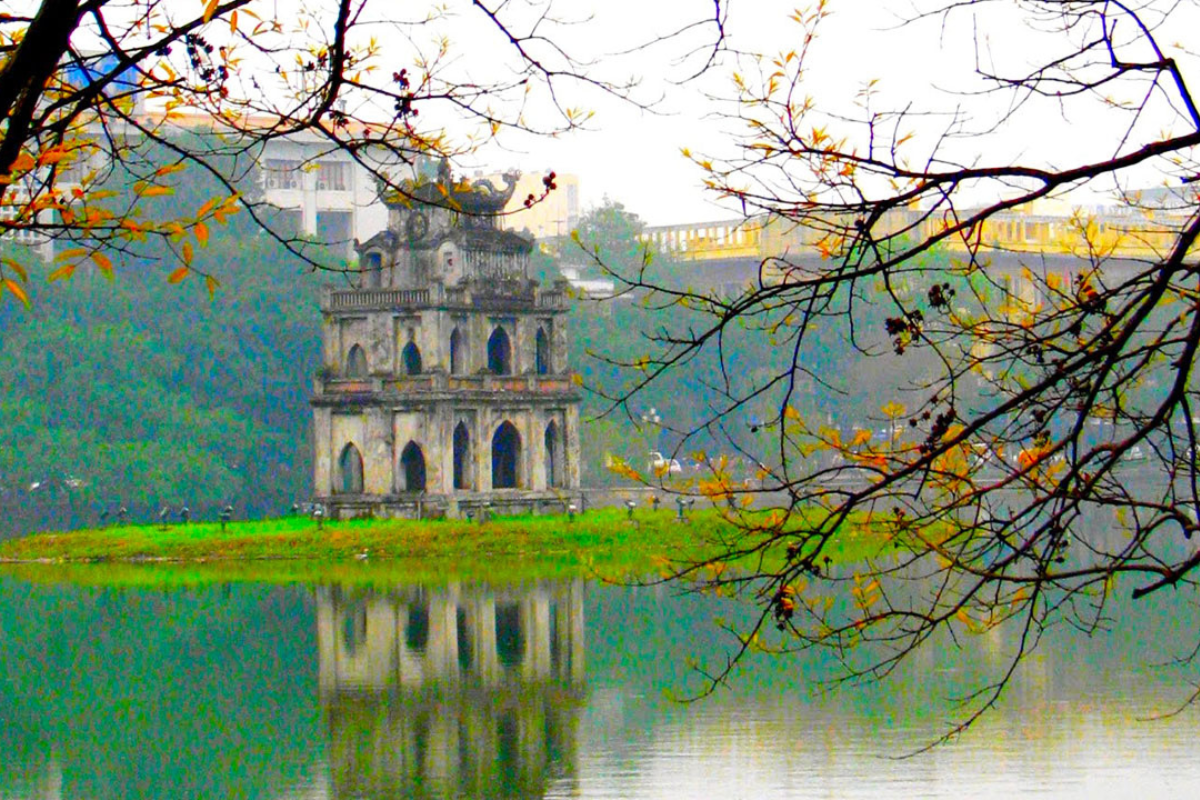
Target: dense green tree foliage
x=126 y=391
x=131 y=393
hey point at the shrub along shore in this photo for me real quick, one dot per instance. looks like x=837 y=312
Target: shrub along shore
x=602 y=542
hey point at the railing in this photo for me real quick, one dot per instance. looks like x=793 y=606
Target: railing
x=501 y=299
x=349 y=386
x=1107 y=233
x=551 y=300
x=441 y=382
x=376 y=298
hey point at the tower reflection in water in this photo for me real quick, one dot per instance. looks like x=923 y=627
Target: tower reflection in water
x=456 y=691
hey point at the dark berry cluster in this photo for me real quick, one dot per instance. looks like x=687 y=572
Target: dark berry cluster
x=548 y=182
x=939 y=296
x=904 y=329
x=404 y=103
x=200 y=54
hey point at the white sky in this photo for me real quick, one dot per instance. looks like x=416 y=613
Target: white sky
x=634 y=156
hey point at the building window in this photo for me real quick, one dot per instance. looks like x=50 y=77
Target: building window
x=335 y=229
x=412 y=464
x=462 y=457
x=354 y=629
x=20 y=234
x=506 y=457
x=283 y=174
x=416 y=631
x=350 y=467
x=510 y=643
x=412 y=359
x=499 y=351
x=371 y=270
x=542 y=356
x=356 y=362
x=333 y=176
x=457 y=365
x=553 y=447
x=285 y=221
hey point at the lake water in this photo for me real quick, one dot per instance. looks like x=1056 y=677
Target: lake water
x=540 y=690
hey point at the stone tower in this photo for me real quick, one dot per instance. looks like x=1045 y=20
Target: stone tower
x=445 y=384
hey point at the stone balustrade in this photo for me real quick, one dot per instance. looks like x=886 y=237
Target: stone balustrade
x=441 y=382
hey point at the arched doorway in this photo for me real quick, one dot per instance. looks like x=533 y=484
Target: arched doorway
x=458 y=363
x=499 y=350
x=350 y=471
x=553 y=468
x=506 y=457
x=542 y=354
x=412 y=465
x=356 y=362
x=462 y=457
x=411 y=356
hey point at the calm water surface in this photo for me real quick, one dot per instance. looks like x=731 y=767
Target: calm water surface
x=539 y=690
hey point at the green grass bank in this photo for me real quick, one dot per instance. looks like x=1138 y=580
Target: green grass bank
x=602 y=542
x=545 y=544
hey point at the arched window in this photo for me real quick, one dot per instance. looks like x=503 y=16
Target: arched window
x=411 y=356
x=354 y=628
x=458 y=359
x=499 y=351
x=416 y=632
x=412 y=464
x=356 y=362
x=553 y=468
x=462 y=457
x=350 y=471
x=372 y=271
x=510 y=638
x=542 y=356
x=506 y=457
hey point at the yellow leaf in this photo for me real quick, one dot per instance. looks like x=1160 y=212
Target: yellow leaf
x=210 y=9
x=17 y=290
x=52 y=155
x=187 y=252
x=63 y=272
x=102 y=261
x=178 y=275
x=136 y=232
x=67 y=255
x=211 y=283
x=23 y=163
x=158 y=191
x=17 y=268
x=207 y=207
x=233 y=22
x=169 y=168
x=201 y=231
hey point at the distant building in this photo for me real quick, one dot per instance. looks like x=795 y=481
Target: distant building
x=322 y=191
x=589 y=288
x=555 y=215
x=445 y=385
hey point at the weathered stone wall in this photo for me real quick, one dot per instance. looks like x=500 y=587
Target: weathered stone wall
x=385 y=410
